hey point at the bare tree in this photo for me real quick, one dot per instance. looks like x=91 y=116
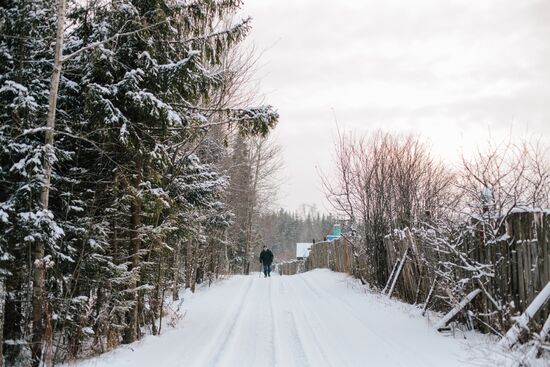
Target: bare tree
x=384 y=182
x=503 y=176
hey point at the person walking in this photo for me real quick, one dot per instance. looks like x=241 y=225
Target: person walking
x=266 y=259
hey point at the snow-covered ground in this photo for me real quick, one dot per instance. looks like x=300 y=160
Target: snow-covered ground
x=318 y=318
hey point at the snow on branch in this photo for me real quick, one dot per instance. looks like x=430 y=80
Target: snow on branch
x=256 y=121
x=243 y=27
x=110 y=39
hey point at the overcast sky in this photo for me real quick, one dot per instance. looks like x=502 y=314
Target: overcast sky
x=452 y=72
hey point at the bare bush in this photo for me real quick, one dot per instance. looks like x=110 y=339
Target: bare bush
x=461 y=222
x=384 y=182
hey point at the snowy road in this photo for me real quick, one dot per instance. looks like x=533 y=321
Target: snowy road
x=313 y=319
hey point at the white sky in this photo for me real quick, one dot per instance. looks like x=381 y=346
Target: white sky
x=453 y=72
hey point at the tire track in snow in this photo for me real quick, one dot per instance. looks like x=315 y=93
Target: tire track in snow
x=210 y=334
x=296 y=346
x=217 y=347
x=332 y=338
x=304 y=325
x=238 y=329
x=274 y=332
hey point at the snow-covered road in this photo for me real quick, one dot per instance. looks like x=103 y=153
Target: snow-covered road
x=318 y=318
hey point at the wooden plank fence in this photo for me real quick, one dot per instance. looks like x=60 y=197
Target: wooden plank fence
x=520 y=259
x=290 y=267
x=525 y=269
x=335 y=255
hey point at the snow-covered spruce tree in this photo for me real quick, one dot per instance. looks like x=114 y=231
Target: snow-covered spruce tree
x=140 y=87
x=146 y=84
x=201 y=215
x=32 y=233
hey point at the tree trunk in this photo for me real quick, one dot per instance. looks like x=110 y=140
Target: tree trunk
x=132 y=329
x=175 y=285
x=114 y=225
x=2 y=303
x=38 y=253
x=227 y=267
x=188 y=263
x=48 y=338
x=37 y=306
x=13 y=315
x=161 y=309
x=54 y=86
x=195 y=267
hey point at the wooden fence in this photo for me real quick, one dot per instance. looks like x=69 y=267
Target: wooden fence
x=335 y=255
x=291 y=267
x=527 y=257
x=413 y=283
x=519 y=259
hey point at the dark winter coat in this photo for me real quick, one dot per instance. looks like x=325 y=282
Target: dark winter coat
x=266 y=257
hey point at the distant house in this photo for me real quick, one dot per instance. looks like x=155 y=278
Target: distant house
x=336 y=233
x=302 y=250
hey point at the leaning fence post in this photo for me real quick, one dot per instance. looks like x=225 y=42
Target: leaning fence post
x=398 y=272
x=521 y=323
x=540 y=338
x=390 y=277
x=410 y=243
x=448 y=317
x=432 y=288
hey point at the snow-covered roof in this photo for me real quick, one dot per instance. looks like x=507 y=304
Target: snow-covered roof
x=302 y=249
x=527 y=209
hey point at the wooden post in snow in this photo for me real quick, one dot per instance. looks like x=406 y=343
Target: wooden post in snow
x=401 y=263
x=390 y=277
x=429 y=296
x=449 y=316
x=521 y=323
x=410 y=243
x=540 y=338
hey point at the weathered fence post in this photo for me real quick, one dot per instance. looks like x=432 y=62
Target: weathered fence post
x=463 y=303
x=401 y=263
x=521 y=323
x=540 y=338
